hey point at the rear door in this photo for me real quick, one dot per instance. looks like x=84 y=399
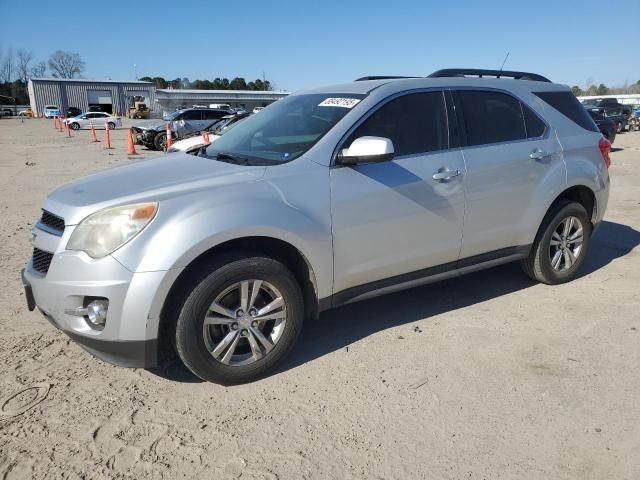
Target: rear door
x=508 y=149
x=394 y=219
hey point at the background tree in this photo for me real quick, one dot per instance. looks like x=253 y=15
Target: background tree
x=6 y=66
x=602 y=90
x=23 y=65
x=238 y=83
x=38 y=70
x=160 y=82
x=66 y=65
x=577 y=91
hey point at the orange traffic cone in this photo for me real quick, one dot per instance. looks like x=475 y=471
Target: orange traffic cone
x=131 y=149
x=55 y=122
x=205 y=137
x=169 y=140
x=68 y=130
x=107 y=135
x=94 y=139
x=60 y=123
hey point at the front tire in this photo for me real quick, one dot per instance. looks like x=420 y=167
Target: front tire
x=561 y=244
x=112 y=126
x=160 y=141
x=240 y=319
x=75 y=126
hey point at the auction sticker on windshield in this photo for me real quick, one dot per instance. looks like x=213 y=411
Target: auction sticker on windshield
x=339 y=102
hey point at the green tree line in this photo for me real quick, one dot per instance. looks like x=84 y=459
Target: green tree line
x=593 y=89
x=237 y=83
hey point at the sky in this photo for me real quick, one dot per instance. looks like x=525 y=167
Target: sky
x=303 y=44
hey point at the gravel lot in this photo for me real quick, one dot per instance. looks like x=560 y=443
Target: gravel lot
x=489 y=376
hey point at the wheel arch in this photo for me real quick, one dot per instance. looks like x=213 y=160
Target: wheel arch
x=272 y=247
x=582 y=195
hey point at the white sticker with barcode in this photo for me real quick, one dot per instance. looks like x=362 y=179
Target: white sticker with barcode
x=339 y=102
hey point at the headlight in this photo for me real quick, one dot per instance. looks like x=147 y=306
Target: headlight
x=107 y=230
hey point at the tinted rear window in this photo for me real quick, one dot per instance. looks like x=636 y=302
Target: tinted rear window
x=567 y=104
x=491 y=117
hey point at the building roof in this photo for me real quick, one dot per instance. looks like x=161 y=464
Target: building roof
x=87 y=80
x=221 y=92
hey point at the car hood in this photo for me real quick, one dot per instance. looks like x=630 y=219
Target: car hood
x=155 y=124
x=145 y=180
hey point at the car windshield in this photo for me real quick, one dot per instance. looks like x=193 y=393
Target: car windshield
x=284 y=130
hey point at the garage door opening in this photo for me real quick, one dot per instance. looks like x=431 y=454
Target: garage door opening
x=100 y=101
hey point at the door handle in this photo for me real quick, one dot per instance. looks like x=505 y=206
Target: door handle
x=445 y=174
x=538 y=154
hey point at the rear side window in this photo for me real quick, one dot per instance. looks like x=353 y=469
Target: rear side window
x=568 y=105
x=491 y=117
x=213 y=114
x=415 y=123
x=535 y=127
x=192 y=115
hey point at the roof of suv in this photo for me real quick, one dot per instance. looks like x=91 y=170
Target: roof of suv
x=518 y=80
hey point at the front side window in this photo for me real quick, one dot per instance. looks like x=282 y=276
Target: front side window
x=415 y=123
x=285 y=130
x=491 y=117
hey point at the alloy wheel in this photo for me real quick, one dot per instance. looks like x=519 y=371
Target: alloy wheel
x=565 y=247
x=244 y=322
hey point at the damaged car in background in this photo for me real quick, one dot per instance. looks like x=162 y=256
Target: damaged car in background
x=153 y=133
x=192 y=143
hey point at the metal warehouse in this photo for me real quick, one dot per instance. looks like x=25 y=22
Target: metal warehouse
x=103 y=95
x=168 y=99
x=118 y=96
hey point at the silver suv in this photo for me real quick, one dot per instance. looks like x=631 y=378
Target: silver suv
x=327 y=197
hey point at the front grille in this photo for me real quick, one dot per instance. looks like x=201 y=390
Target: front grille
x=52 y=221
x=41 y=260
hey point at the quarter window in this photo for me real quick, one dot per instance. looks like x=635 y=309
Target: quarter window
x=415 y=123
x=535 y=127
x=491 y=117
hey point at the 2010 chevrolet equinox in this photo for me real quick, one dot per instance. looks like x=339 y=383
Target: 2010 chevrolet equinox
x=326 y=197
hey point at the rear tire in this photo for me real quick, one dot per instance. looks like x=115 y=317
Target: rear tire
x=561 y=244
x=75 y=126
x=112 y=126
x=253 y=347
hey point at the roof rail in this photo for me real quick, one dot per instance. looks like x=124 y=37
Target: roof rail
x=462 y=72
x=379 y=77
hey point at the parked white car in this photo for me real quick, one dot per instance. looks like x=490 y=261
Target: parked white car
x=99 y=120
x=191 y=143
x=258 y=109
x=51 y=111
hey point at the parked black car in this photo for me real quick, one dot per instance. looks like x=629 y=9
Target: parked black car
x=73 y=112
x=616 y=115
x=607 y=127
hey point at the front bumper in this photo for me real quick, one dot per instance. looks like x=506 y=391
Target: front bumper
x=143 y=137
x=129 y=337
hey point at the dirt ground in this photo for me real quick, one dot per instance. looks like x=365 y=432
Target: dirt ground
x=486 y=377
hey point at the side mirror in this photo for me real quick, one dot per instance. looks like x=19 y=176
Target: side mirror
x=367 y=150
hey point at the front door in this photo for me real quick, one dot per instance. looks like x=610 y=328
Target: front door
x=394 y=219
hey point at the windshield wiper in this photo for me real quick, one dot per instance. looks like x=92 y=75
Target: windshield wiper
x=232 y=158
